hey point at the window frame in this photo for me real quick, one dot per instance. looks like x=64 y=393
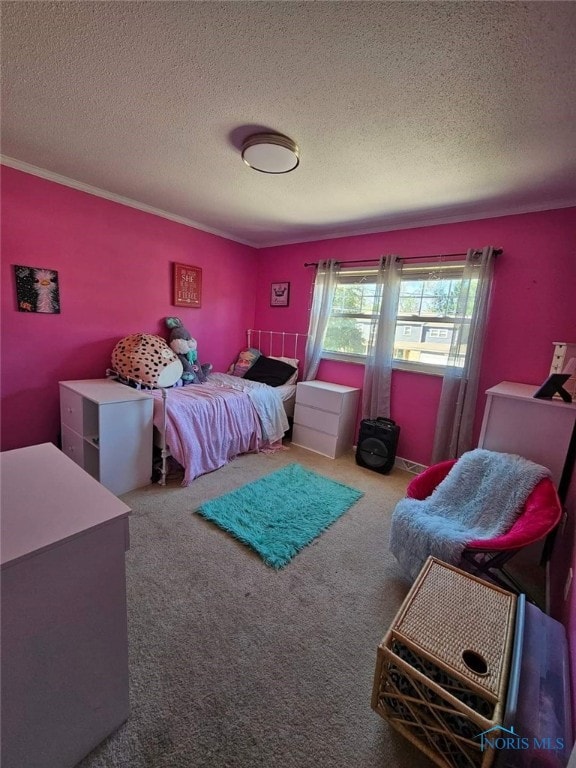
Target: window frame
x=419 y=271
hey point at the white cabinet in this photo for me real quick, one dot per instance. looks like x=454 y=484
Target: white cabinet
x=325 y=417
x=107 y=430
x=64 y=681
x=540 y=430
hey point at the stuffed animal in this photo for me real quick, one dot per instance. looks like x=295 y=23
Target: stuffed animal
x=186 y=348
x=146 y=360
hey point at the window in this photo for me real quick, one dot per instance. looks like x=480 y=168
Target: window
x=354 y=312
x=425 y=325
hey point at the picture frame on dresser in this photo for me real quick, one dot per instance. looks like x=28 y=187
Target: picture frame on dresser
x=554 y=386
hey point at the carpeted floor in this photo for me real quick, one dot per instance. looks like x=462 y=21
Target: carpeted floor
x=235 y=664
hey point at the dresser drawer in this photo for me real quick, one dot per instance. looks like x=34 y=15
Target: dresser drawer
x=73 y=445
x=319 y=442
x=71 y=409
x=326 y=396
x=314 y=418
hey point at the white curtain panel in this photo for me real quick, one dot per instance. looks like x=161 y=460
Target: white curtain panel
x=378 y=366
x=460 y=386
x=324 y=287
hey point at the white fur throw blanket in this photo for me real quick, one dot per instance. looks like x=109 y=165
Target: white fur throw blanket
x=479 y=498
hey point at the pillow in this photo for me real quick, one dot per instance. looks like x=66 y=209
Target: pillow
x=291 y=361
x=245 y=360
x=269 y=371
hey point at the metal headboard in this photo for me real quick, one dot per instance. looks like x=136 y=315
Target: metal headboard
x=278 y=343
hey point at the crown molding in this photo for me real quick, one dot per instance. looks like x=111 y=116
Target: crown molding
x=425 y=222
x=19 y=165
x=376 y=228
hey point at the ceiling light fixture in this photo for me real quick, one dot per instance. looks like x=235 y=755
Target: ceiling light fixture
x=270 y=153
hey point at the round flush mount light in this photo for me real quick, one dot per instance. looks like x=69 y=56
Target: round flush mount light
x=270 y=153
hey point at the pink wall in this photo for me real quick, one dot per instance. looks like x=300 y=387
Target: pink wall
x=114 y=269
x=563 y=608
x=532 y=304
x=114 y=266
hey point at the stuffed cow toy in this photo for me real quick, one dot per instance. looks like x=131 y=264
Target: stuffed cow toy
x=185 y=347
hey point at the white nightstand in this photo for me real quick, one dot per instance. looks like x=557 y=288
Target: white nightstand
x=325 y=417
x=107 y=430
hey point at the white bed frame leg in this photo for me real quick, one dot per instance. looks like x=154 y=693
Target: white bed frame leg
x=163 y=450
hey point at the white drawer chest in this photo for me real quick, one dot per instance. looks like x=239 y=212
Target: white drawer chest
x=107 y=430
x=325 y=417
x=540 y=430
x=64 y=538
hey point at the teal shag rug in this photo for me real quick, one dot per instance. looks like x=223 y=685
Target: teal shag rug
x=281 y=513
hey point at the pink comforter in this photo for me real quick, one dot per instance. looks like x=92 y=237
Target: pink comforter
x=207 y=426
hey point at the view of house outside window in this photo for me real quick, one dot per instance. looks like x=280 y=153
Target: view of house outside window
x=425 y=317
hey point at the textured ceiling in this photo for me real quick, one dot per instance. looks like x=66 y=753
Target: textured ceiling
x=406 y=113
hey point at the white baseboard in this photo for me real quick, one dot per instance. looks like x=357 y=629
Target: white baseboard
x=409 y=466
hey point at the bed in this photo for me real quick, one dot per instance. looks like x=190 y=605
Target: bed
x=204 y=426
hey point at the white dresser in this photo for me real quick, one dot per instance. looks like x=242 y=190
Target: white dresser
x=325 y=417
x=64 y=537
x=107 y=430
x=540 y=430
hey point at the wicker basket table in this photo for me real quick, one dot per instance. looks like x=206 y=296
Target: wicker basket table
x=442 y=668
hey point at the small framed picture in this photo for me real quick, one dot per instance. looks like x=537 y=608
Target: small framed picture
x=279 y=294
x=37 y=289
x=187 y=286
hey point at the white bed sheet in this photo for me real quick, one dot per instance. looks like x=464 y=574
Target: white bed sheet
x=287 y=394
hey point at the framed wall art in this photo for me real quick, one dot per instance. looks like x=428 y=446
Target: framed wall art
x=37 y=290
x=279 y=294
x=187 y=286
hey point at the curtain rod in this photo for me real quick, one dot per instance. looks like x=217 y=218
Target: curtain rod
x=497 y=252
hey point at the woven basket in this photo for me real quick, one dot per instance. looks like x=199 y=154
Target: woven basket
x=442 y=668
